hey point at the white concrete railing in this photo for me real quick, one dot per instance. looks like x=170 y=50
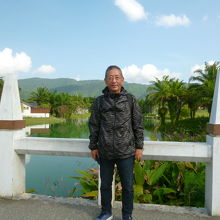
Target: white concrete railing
x=167 y=151
x=14 y=145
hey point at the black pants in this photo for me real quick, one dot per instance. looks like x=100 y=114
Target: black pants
x=125 y=168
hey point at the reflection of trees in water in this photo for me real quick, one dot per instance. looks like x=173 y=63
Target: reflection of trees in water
x=152 y=129
x=71 y=129
x=80 y=121
x=151 y=124
x=78 y=128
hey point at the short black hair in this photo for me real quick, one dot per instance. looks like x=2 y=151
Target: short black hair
x=113 y=67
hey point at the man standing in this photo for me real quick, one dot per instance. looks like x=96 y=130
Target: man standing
x=116 y=137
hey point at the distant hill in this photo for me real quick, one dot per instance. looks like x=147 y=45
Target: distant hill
x=86 y=88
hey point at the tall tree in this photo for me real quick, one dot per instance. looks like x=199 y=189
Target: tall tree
x=206 y=83
x=169 y=94
x=193 y=99
x=157 y=95
x=176 y=98
x=41 y=96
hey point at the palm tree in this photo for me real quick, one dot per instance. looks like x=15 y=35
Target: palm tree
x=193 y=99
x=169 y=94
x=206 y=83
x=157 y=95
x=60 y=103
x=41 y=96
x=176 y=99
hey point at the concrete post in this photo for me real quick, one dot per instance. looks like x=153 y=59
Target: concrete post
x=212 y=191
x=12 y=166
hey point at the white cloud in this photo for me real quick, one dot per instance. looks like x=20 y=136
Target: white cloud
x=133 y=9
x=9 y=63
x=172 y=20
x=196 y=67
x=47 y=69
x=211 y=62
x=145 y=74
x=77 y=78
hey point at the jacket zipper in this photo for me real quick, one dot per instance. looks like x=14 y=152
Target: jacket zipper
x=114 y=128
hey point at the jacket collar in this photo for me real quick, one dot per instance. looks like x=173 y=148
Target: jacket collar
x=106 y=92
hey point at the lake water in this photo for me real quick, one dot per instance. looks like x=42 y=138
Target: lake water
x=49 y=175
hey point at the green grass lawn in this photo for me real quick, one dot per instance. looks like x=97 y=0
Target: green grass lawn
x=75 y=116
x=202 y=113
x=39 y=121
x=51 y=120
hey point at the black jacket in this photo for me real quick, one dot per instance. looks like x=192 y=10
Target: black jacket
x=116 y=125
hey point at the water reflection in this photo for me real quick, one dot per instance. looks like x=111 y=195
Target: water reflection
x=37 y=129
x=78 y=128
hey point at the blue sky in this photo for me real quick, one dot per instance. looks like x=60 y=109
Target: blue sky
x=80 y=38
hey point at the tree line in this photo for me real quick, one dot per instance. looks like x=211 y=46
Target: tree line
x=170 y=95
x=61 y=104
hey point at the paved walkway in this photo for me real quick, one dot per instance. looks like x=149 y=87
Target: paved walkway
x=37 y=207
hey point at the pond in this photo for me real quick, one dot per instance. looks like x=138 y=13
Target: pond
x=49 y=175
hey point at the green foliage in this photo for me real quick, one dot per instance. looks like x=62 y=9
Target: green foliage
x=158 y=182
x=182 y=100
x=61 y=105
x=88 y=182
x=40 y=96
x=146 y=107
x=206 y=83
x=160 y=193
x=138 y=174
x=154 y=175
x=186 y=130
x=176 y=183
x=169 y=95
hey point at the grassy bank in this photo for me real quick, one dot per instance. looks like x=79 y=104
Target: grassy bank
x=39 y=121
x=202 y=113
x=51 y=120
x=75 y=116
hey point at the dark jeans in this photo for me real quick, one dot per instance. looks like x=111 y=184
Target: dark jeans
x=125 y=169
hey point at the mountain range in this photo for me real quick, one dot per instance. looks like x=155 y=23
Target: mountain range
x=86 y=88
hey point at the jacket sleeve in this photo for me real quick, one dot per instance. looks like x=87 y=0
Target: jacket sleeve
x=137 y=125
x=94 y=125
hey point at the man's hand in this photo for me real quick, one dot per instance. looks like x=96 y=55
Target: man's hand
x=95 y=154
x=138 y=154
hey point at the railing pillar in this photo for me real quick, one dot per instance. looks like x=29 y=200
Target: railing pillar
x=212 y=187
x=12 y=165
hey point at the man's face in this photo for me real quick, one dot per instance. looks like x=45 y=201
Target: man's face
x=114 y=81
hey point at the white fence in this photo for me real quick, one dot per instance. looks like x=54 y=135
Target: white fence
x=14 y=146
